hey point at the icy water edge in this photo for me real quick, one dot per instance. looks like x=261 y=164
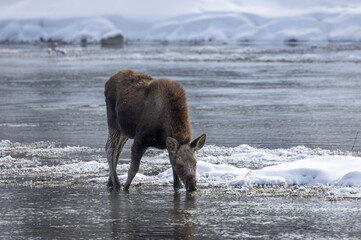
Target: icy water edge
x=52 y=128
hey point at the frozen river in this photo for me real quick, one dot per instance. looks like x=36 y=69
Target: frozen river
x=271 y=97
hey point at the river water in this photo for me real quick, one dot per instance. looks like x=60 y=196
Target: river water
x=53 y=130
x=160 y=213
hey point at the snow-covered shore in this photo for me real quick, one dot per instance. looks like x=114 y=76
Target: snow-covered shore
x=242 y=169
x=190 y=20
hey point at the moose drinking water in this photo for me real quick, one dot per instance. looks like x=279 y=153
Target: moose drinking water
x=154 y=113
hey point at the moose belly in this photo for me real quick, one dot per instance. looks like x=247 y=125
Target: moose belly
x=154 y=138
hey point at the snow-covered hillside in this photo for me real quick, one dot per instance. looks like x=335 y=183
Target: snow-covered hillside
x=187 y=20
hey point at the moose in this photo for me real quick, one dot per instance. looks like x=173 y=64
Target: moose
x=153 y=112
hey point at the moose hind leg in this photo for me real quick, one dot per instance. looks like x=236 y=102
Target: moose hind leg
x=136 y=155
x=122 y=141
x=113 y=148
x=118 y=150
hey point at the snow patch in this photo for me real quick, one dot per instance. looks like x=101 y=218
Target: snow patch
x=205 y=170
x=329 y=170
x=351 y=179
x=296 y=171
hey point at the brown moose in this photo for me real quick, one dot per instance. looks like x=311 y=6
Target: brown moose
x=154 y=113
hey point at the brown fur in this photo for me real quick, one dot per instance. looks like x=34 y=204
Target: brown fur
x=138 y=97
x=175 y=106
x=149 y=111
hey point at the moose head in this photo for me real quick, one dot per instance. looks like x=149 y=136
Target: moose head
x=184 y=163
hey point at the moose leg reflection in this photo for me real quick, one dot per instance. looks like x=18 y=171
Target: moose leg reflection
x=185 y=216
x=142 y=215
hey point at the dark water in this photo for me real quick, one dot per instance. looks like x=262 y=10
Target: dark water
x=160 y=213
x=281 y=101
x=267 y=97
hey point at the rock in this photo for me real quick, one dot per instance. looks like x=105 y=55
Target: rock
x=292 y=42
x=83 y=42
x=114 y=41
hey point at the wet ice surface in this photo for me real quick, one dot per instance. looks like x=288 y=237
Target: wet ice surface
x=260 y=106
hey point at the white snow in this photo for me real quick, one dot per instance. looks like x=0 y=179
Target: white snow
x=41 y=149
x=187 y=20
x=326 y=170
x=243 y=168
x=206 y=170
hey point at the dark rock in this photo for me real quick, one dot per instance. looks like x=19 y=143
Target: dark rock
x=114 y=41
x=292 y=42
x=83 y=42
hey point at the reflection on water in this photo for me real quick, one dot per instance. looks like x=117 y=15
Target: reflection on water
x=153 y=216
x=185 y=214
x=161 y=213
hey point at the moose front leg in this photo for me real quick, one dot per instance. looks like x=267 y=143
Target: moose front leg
x=137 y=152
x=176 y=182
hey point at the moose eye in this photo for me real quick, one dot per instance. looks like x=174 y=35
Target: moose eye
x=179 y=165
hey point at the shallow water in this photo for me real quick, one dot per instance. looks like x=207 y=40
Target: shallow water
x=271 y=97
x=160 y=213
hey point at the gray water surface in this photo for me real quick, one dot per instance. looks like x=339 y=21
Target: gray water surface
x=275 y=96
x=161 y=213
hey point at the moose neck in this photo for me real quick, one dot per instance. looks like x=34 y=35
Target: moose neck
x=180 y=124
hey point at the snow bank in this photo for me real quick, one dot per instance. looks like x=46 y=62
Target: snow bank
x=327 y=170
x=189 y=20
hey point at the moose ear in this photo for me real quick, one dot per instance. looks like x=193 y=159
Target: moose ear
x=199 y=142
x=172 y=145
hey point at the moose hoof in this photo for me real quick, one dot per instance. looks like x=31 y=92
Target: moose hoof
x=177 y=187
x=110 y=183
x=191 y=189
x=126 y=189
x=113 y=187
